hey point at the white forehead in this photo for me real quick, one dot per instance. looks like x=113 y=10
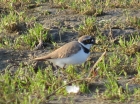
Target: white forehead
x=87 y=37
x=83 y=38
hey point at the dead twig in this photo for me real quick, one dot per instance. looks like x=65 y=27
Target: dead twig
x=94 y=66
x=84 y=79
x=53 y=93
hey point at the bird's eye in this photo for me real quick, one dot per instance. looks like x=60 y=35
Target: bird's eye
x=87 y=41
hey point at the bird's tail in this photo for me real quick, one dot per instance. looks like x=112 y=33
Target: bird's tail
x=43 y=58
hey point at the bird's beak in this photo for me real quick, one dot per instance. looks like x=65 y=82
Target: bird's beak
x=94 y=41
x=97 y=41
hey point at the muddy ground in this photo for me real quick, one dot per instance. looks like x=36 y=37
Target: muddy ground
x=62 y=23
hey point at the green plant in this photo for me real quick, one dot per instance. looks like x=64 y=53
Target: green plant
x=129 y=46
x=33 y=37
x=136 y=94
x=85 y=7
x=134 y=21
x=114 y=90
x=11 y=21
x=88 y=27
x=122 y=4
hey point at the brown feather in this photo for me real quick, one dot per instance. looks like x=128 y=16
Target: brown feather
x=62 y=52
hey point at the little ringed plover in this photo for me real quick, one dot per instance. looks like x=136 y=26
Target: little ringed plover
x=75 y=52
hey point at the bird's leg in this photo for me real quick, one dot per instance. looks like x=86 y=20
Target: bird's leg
x=84 y=64
x=58 y=72
x=64 y=66
x=79 y=67
x=54 y=67
x=62 y=71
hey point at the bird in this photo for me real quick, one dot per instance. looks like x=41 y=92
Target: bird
x=72 y=53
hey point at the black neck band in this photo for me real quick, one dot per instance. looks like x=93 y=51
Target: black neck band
x=85 y=49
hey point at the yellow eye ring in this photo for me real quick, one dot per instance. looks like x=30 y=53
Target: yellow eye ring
x=88 y=41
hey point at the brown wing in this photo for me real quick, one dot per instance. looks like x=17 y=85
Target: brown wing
x=62 y=52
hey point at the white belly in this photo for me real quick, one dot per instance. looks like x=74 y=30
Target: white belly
x=78 y=58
